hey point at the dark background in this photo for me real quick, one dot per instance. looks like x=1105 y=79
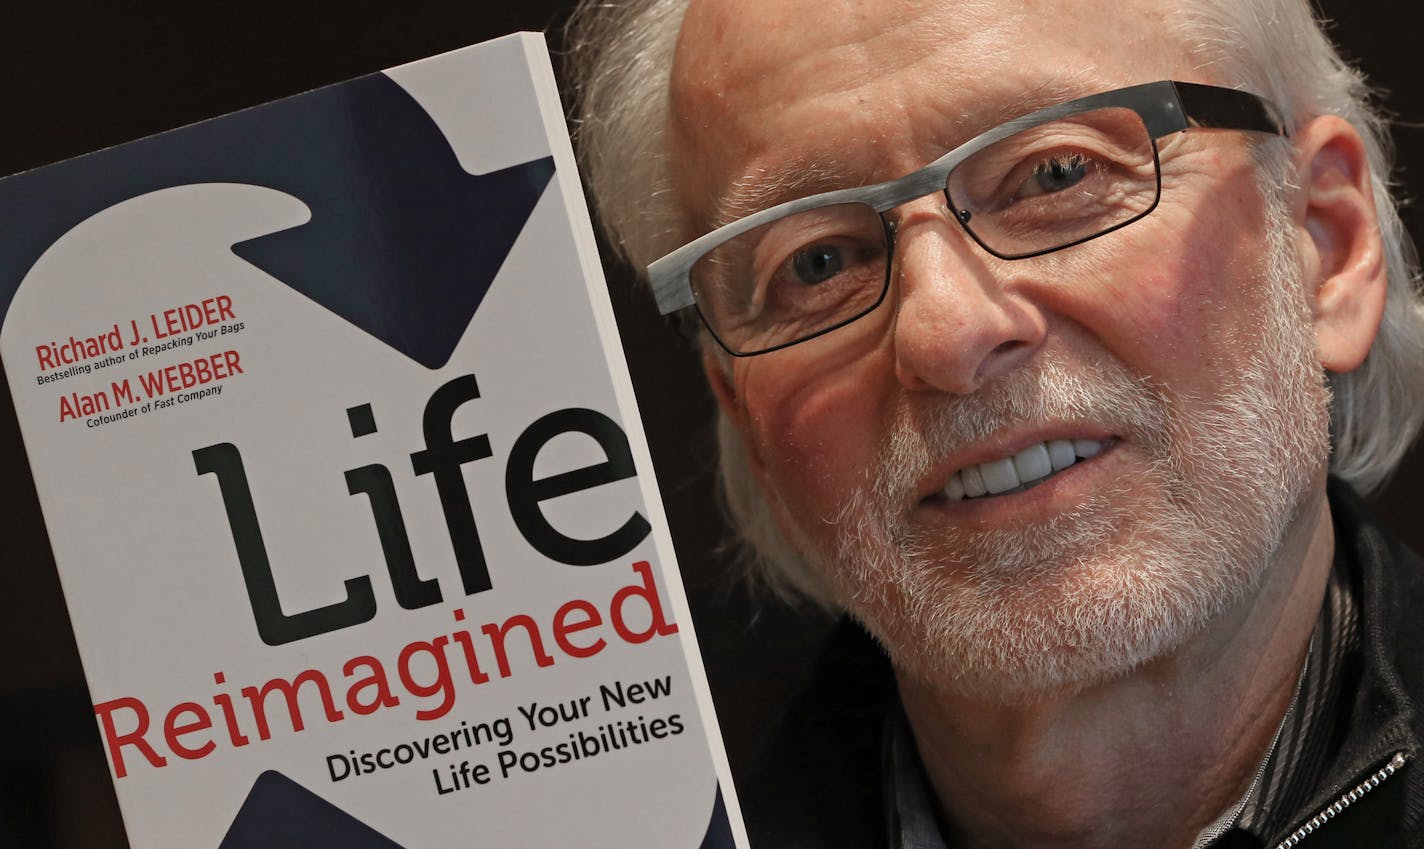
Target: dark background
x=81 y=76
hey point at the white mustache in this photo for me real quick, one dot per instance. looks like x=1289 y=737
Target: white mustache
x=1048 y=391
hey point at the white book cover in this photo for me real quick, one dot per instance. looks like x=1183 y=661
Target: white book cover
x=345 y=480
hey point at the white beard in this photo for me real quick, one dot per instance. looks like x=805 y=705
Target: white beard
x=1079 y=598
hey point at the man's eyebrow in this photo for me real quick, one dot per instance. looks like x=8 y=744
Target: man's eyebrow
x=768 y=187
x=1023 y=102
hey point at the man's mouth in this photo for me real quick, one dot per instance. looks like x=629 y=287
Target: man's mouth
x=1024 y=470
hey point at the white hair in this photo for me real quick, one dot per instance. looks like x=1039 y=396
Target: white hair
x=620 y=59
x=619 y=64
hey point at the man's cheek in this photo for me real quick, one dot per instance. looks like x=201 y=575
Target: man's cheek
x=804 y=470
x=1161 y=320
x=807 y=419
x=813 y=464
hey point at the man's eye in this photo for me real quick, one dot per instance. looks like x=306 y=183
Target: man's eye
x=1055 y=174
x=817 y=264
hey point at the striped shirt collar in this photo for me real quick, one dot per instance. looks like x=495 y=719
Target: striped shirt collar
x=1285 y=778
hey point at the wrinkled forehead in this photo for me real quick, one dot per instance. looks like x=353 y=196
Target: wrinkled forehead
x=757 y=83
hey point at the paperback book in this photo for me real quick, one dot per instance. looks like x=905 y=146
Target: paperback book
x=345 y=480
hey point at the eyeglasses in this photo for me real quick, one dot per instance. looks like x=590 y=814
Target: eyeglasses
x=1045 y=181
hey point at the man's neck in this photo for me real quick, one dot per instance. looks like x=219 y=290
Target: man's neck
x=1147 y=759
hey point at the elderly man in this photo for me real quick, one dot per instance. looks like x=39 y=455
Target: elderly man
x=1036 y=328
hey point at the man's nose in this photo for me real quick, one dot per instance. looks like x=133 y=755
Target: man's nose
x=961 y=321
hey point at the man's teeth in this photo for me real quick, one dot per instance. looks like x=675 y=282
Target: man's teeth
x=1027 y=468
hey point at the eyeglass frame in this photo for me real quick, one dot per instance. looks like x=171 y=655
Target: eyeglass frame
x=1164 y=107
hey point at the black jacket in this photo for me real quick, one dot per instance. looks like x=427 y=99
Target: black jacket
x=820 y=784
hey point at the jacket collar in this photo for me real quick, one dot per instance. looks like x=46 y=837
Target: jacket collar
x=1382 y=720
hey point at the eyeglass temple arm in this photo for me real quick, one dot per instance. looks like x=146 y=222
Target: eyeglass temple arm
x=1227 y=109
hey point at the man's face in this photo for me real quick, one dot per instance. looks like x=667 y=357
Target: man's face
x=1166 y=349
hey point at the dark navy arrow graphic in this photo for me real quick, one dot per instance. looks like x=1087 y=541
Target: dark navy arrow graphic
x=719 y=828
x=279 y=813
x=402 y=242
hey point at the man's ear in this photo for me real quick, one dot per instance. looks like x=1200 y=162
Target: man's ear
x=720 y=380
x=718 y=369
x=1343 y=253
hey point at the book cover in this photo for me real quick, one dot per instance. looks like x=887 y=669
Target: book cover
x=345 y=481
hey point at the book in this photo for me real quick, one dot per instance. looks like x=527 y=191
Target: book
x=345 y=479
